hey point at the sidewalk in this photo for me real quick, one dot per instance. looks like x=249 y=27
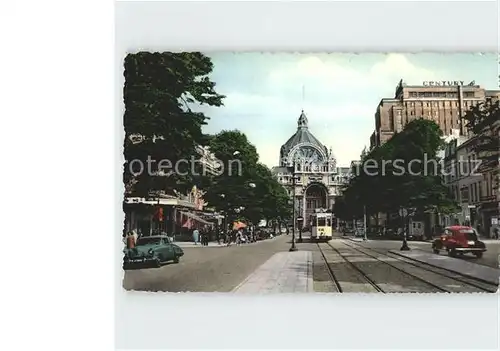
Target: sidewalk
x=191 y=244
x=215 y=244
x=474 y=270
x=284 y=272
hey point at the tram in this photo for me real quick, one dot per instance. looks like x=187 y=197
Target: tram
x=321 y=226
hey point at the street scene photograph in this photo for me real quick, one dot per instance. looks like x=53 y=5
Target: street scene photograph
x=263 y=173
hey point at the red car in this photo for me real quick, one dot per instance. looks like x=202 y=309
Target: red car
x=457 y=240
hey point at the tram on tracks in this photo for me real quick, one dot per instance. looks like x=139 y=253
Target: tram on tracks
x=321 y=226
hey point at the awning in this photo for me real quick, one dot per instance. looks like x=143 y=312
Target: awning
x=158 y=201
x=195 y=217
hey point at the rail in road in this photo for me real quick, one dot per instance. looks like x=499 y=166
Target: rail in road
x=466 y=280
x=363 y=278
x=436 y=279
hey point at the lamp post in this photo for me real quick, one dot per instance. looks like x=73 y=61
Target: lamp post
x=403 y=212
x=364 y=222
x=293 y=248
x=300 y=221
x=224 y=211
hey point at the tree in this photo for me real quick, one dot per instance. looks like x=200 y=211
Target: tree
x=159 y=91
x=244 y=182
x=230 y=188
x=483 y=121
x=402 y=173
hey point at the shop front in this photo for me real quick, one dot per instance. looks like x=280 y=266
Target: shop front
x=489 y=216
x=149 y=216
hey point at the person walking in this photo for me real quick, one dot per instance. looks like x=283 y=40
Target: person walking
x=196 y=235
x=217 y=236
x=495 y=232
x=205 y=236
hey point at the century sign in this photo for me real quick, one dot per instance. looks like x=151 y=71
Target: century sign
x=445 y=83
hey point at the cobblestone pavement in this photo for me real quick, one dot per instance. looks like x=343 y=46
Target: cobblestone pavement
x=208 y=269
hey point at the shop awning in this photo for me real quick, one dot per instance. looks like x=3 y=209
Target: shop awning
x=195 y=217
x=158 y=201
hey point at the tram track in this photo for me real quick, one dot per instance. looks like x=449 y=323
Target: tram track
x=330 y=270
x=362 y=274
x=479 y=285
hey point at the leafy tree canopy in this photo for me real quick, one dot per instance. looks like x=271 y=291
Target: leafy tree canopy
x=159 y=91
x=402 y=173
x=483 y=121
x=243 y=181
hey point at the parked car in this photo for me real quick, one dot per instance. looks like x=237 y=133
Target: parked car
x=153 y=251
x=458 y=240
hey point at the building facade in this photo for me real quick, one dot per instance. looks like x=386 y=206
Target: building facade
x=476 y=192
x=444 y=102
x=318 y=180
x=463 y=180
x=210 y=164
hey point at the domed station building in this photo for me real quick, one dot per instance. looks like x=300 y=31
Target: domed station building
x=318 y=180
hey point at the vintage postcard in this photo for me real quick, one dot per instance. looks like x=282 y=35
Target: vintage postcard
x=254 y=173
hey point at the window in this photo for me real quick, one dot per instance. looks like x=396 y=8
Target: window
x=321 y=221
x=328 y=221
x=470 y=234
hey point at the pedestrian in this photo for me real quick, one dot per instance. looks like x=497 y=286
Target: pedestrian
x=196 y=235
x=130 y=240
x=495 y=231
x=206 y=236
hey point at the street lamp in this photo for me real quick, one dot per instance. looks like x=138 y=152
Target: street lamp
x=224 y=222
x=300 y=221
x=293 y=247
x=403 y=213
x=364 y=222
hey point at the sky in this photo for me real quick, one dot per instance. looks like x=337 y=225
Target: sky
x=339 y=93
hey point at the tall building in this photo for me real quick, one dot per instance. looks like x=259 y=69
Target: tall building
x=318 y=180
x=444 y=102
x=210 y=164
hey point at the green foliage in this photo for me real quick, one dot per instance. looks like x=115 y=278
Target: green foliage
x=483 y=121
x=159 y=90
x=232 y=188
x=402 y=173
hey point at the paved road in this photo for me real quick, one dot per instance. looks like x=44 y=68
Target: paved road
x=490 y=257
x=221 y=269
x=207 y=269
